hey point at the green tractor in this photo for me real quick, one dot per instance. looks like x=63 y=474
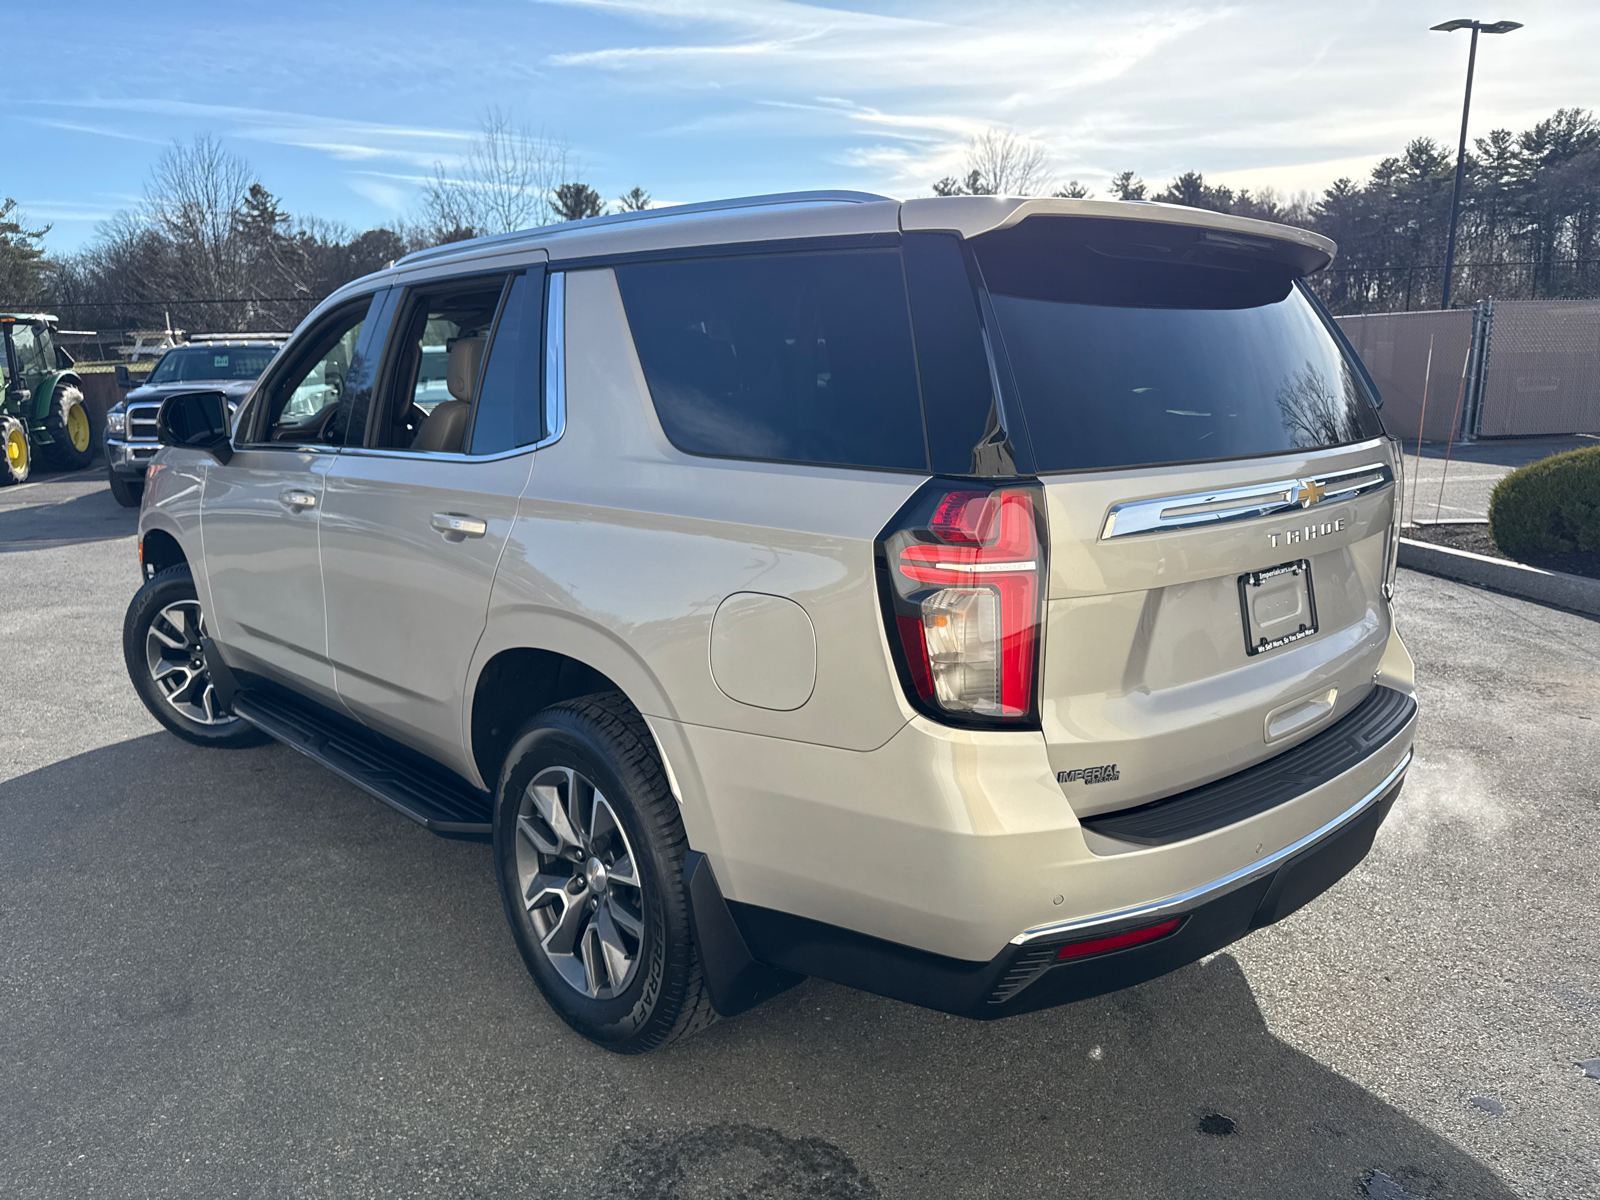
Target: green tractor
x=42 y=406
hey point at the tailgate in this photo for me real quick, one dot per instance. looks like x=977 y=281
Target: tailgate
x=1174 y=652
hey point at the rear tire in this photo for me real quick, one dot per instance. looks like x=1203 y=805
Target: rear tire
x=127 y=492
x=161 y=644
x=586 y=824
x=67 y=423
x=16 y=452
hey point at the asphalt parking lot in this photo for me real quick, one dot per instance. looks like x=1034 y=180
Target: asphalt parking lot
x=1454 y=482
x=231 y=974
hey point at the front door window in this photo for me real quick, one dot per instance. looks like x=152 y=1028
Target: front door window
x=304 y=402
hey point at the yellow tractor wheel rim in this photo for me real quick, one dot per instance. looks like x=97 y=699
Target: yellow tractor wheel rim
x=17 y=449
x=78 y=428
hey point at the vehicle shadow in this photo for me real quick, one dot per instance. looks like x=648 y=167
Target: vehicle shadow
x=231 y=972
x=63 y=510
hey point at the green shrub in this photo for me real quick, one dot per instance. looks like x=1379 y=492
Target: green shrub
x=1551 y=505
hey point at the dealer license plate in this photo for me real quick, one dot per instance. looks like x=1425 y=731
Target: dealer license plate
x=1278 y=605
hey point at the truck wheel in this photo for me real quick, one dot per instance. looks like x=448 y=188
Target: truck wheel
x=127 y=492
x=161 y=646
x=589 y=849
x=18 y=453
x=67 y=423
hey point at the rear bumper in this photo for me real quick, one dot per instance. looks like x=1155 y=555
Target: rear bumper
x=1029 y=974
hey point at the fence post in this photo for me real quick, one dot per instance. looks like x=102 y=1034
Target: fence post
x=1477 y=370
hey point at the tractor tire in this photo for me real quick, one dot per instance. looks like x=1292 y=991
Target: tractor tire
x=16 y=452
x=67 y=423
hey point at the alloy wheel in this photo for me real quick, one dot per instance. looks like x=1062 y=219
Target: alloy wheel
x=177 y=662
x=580 y=883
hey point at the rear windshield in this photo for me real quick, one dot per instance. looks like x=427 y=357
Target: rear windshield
x=1143 y=347
x=203 y=364
x=801 y=357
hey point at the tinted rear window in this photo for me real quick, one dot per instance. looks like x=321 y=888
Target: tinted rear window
x=801 y=357
x=1128 y=352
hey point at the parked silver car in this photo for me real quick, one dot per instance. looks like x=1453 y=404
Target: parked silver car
x=984 y=602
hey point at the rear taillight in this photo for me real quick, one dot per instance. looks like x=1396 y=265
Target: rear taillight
x=962 y=569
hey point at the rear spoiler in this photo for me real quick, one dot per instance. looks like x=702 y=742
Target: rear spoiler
x=970 y=216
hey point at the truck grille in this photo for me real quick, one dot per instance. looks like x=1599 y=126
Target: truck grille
x=142 y=422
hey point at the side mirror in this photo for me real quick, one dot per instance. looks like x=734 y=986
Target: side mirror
x=196 y=421
x=124 y=377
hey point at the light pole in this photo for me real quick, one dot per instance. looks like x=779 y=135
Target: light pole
x=1477 y=27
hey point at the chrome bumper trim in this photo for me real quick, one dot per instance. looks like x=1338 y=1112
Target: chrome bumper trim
x=1194 y=897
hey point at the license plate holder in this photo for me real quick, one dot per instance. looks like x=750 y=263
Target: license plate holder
x=1279 y=606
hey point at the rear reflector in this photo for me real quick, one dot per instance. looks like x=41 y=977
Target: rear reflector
x=1119 y=941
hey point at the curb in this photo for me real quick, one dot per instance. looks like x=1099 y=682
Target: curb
x=1547 y=587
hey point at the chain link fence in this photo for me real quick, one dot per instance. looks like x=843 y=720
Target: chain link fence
x=1543 y=369
x=1520 y=368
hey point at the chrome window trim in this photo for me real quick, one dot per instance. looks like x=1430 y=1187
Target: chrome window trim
x=555 y=358
x=1194 y=897
x=291 y=447
x=1164 y=513
x=435 y=455
x=555 y=394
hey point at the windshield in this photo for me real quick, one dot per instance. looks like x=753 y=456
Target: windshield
x=1140 y=353
x=208 y=364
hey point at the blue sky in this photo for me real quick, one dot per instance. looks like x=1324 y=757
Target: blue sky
x=342 y=108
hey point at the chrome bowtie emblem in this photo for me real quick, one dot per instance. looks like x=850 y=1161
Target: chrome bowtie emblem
x=1310 y=492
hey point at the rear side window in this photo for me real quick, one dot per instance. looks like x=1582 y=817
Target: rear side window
x=1133 y=346
x=799 y=357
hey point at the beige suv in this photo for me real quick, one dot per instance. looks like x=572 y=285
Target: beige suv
x=983 y=602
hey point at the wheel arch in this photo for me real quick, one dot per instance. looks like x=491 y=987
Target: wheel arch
x=520 y=668
x=159 y=549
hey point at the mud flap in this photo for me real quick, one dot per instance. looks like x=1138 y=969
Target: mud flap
x=736 y=980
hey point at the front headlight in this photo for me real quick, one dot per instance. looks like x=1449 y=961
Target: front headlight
x=116 y=419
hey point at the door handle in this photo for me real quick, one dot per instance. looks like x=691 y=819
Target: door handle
x=296 y=500
x=455 y=527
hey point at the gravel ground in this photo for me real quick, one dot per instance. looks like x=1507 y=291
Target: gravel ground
x=230 y=974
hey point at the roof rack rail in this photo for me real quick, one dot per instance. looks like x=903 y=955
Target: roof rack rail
x=773 y=200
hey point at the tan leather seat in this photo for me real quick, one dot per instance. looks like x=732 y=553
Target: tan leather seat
x=446 y=426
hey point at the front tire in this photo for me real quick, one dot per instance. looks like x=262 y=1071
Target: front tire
x=161 y=644
x=17 y=463
x=127 y=492
x=67 y=422
x=589 y=847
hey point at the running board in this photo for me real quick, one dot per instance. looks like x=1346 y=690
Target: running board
x=431 y=796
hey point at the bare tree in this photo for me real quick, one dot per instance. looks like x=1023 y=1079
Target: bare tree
x=504 y=183
x=193 y=202
x=1010 y=164
x=1000 y=163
